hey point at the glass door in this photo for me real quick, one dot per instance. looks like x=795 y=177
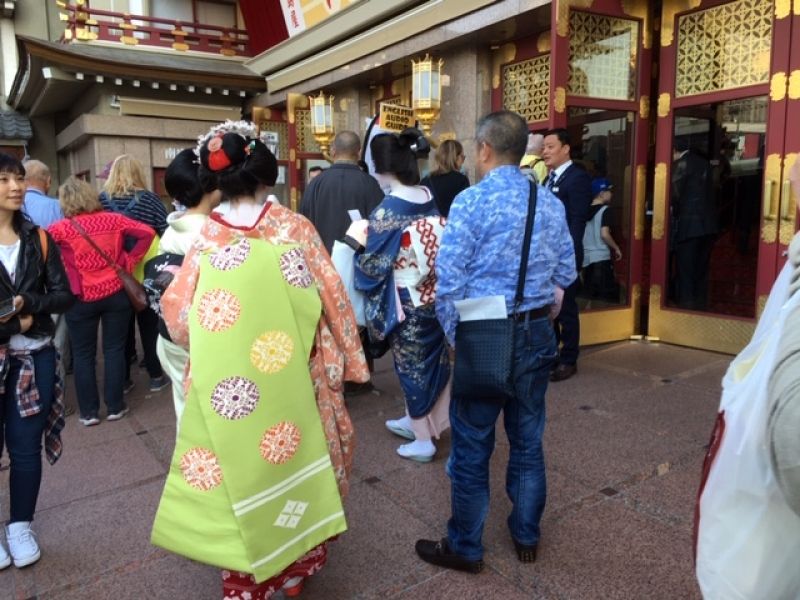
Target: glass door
x=718 y=177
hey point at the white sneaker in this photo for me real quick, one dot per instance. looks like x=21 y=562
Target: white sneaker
x=401 y=427
x=419 y=451
x=22 y=544
x=5 y=559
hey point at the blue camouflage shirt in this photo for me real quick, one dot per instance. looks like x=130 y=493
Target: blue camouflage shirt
x=482 y=243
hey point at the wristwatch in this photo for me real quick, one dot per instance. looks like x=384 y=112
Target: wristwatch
x=353 y=243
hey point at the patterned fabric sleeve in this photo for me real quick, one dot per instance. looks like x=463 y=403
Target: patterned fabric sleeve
x=177 y=300
x=336 y=308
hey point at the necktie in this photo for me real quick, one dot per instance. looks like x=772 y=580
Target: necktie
x=551 y=180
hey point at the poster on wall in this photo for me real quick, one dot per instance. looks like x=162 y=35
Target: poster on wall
x=300 y=15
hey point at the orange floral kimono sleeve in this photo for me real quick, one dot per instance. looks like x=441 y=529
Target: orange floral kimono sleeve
x=177 y=299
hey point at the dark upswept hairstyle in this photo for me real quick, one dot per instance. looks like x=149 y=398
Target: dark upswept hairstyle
x=397 y=154
x=182 y=179
x=506 y=132
x=11 y=164
x=251 y=164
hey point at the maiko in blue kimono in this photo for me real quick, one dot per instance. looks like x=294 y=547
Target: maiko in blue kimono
x=418 y=344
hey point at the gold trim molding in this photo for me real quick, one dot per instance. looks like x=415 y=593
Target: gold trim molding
x=782 y=8
x=562 y=13
x=664 y=101
x=777 y=86
x=669 y=9
x=638 y=210
x=640 y=10
x=560 y=100
x=707 y=332
x=543 y=43
x=603 y=326
x=772 y=178
x=504 y=54
x=794 y=82
x=659 y=200
x=788 y=203
x=644 y=107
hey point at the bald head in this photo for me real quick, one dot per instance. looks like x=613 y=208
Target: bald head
x=346 y=146
x=37 y=175
x=535 y=144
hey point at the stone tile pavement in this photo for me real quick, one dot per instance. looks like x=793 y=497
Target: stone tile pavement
x=624 y=445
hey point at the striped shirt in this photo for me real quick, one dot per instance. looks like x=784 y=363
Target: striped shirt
x=147 y=208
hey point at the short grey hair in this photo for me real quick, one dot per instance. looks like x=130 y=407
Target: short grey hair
x=346 y=143
x=535 y=143
x=506 y=132
x=36 y=170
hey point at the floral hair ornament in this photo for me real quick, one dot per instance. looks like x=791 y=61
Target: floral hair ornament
x=217 y=159
x=246 y=129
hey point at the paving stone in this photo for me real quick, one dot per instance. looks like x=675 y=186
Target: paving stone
x=465 y=586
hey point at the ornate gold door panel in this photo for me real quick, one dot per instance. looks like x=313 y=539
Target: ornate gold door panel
x=719 y=201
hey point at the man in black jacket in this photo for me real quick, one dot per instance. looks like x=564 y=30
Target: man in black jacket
x=573 y=186
x=693 y=227
x=338 y=189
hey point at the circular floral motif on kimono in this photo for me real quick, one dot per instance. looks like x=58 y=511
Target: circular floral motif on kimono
x=235 y=398
x=218 y=310
x=271 y=351
x=200 y=469
x=294 y=268
x=280 y=442
x=231 y=256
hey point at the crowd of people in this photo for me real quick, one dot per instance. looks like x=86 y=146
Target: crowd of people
x=264 y=444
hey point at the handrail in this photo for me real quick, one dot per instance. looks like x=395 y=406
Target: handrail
x=86 y=24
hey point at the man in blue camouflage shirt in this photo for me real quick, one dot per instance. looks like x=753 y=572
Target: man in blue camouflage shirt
x=479 y=256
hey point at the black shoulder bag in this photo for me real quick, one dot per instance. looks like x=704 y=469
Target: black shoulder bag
x=484 y=364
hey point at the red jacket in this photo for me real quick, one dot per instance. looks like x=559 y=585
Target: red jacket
x=86 y=269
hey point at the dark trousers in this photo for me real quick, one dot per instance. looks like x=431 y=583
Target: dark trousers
x=148 y=332
x=568 y=326
x=82 y=320
x=22 y=436
x=692 y=261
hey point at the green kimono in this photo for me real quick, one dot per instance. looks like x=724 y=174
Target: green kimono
x=251 y=486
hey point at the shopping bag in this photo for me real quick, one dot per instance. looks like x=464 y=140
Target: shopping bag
x=747 y=537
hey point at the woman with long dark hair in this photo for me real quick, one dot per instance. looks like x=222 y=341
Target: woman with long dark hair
x=395 y=270
x=33 y=286
x=265 y=442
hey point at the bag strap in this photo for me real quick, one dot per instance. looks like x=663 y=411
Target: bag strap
x=131 y=204
x=526 y=248
x=43 y=243
x=111 y=263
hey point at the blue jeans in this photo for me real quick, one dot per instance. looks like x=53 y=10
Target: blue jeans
x=472 y=434
x=83 y=318
x=22 y=436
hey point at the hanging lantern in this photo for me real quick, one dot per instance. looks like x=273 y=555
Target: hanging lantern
x=322 y=121
x=426 y=90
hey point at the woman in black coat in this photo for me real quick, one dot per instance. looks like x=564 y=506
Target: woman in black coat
x=446 y=181
x=33 y=285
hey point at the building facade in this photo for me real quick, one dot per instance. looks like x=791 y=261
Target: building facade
x=688 y=107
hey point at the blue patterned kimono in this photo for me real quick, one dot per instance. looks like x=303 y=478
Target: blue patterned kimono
x=418 y=343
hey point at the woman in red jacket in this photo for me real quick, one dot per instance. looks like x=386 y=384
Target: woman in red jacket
x=99 y=291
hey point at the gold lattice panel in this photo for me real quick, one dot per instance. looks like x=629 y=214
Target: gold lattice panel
x=724 y=47
x=602 y=56
x=305 y=138
x=526 y=88
x=282 y=129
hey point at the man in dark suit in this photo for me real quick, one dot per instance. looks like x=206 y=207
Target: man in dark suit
x=693 y=227
x=340 y=188
x=573 y=186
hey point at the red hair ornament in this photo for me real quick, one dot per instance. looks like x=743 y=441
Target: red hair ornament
x=217 y=159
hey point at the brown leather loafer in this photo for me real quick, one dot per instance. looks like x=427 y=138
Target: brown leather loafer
x=562 y=372
x=440 y=554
